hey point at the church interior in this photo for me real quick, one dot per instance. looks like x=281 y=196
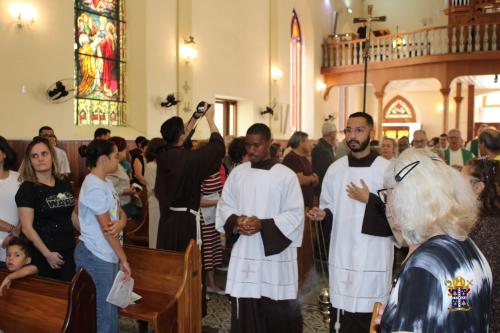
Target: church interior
x=290 y=64
x=244 y=57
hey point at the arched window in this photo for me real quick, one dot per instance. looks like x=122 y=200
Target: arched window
x=296 y=71
x=399 y=110
x=99 y=62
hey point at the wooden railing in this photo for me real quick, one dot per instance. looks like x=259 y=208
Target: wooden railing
x=466 y=3
x=418 y=43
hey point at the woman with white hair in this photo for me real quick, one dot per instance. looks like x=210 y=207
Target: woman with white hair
x=444 y=285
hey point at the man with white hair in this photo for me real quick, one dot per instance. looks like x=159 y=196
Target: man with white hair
x=361 y=246
x=445 y=283
x=323 y=154
x=455 y=155
x=419 y=139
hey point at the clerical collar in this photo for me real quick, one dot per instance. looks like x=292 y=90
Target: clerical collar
x=264 y=165
x=362 y=162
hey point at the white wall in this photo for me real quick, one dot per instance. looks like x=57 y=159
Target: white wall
x=233 y=39
x=407 y=15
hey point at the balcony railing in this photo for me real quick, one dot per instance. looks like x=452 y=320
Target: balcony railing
x=466 y=3
x=419 y=43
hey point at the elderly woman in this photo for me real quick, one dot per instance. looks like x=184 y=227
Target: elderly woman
x=445 y=283
x=484 y=176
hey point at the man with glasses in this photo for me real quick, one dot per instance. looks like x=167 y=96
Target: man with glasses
x=419 y=139
x=455 y=155
x=361 y=246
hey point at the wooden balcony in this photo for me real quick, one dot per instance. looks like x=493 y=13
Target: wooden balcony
x=443 y=52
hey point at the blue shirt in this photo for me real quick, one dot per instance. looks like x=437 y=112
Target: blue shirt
x=97 y=197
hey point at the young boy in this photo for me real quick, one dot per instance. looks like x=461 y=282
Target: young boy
x=18 y=262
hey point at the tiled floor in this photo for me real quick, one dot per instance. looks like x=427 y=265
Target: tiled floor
x=219 y=310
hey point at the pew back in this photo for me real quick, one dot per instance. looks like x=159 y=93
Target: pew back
x=170 y=283
x=35 y=304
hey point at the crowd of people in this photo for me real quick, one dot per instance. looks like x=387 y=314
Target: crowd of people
x=438 y=198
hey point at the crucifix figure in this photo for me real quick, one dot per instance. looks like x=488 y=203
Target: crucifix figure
x=366 y=50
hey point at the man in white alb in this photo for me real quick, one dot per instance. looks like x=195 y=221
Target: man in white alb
x=361 y=242
x=262 y=203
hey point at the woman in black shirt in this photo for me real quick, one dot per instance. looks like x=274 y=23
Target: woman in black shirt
x=45 y=202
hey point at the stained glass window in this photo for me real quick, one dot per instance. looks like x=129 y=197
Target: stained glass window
x=99 y=62
x=399 y=110
x=296 y=71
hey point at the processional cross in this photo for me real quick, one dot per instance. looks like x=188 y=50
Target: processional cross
x=366 y=50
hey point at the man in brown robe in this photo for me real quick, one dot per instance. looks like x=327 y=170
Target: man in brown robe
x=179 y=175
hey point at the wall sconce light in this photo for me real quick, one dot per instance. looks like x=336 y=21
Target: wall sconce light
x=188 y=50
x=320 y=85
x=276 y=73
x=349 y=10
x=23 y=14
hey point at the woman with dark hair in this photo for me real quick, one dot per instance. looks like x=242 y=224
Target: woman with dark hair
x=102 y=220
x=9 y=184
x=121 y=182
x=139 y=164
x=45 y=203
x=484 y=176
x=154 y=147
x=236 y=152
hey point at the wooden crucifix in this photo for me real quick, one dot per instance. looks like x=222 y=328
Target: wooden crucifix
x=366 y=50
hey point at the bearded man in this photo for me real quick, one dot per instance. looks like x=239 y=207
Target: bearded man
x=361 y=242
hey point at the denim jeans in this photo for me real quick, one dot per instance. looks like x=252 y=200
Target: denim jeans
x=103 y=273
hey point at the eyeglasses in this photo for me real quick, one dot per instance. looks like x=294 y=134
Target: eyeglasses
x=357 y=130
x=383 y=193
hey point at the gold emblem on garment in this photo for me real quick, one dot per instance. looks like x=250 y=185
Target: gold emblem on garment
x=459 y=290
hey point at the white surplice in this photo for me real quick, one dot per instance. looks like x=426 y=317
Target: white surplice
x=266 y=194
x=360 y=265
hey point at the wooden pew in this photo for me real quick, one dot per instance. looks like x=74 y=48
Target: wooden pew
x=137 y=231
x=42 y=305
x=170 y=285
x=374 y=328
